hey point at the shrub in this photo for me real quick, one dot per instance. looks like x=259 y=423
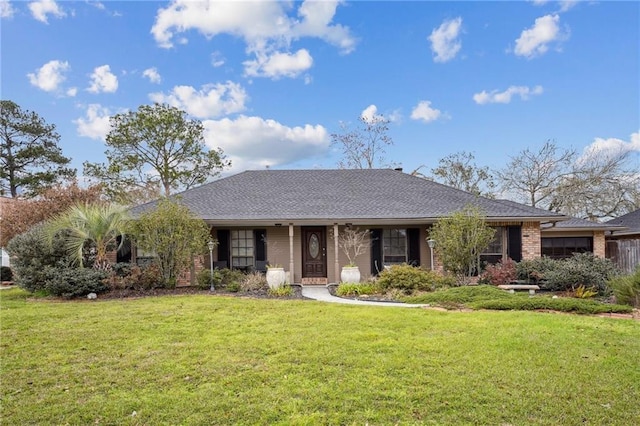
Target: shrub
x=204 y=279
x=282 y=291
x=583 y=292
x=627 y=289
x=133 y=277
x=6 y=274
x=74 y=282
x=357 y=289
x=535 y=270
x=222 y=278
x=230 y=276
x=30 y=257
x=254 y=281
x=580 y=269
x=409 y=278
x=233 y=287
x=500 y=273
x=461 y=295
x=568 y=304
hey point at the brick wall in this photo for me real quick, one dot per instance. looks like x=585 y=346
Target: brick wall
x=598 y=243
x=531 y=240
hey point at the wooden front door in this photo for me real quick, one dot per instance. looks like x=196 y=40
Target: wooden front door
x=314 y=252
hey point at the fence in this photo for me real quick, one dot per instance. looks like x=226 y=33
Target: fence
x=624 y=253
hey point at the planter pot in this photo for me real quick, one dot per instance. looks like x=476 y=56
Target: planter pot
x=276 y=277
x=350 y=274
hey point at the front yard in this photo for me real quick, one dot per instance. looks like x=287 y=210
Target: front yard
x=201 y=359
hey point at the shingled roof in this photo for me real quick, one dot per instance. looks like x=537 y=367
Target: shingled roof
x=351 y=195
x=630 y=220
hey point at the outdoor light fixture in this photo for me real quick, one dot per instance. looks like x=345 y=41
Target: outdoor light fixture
x=432 y=243
x=211 y=245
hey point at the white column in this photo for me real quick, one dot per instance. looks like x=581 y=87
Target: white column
x=336 y=252
x=291 y=265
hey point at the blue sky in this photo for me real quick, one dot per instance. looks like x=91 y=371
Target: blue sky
x=272 y=80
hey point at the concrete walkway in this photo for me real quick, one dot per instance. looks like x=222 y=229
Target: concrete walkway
x=321 y=293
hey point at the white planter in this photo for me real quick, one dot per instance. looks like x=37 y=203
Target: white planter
x=350 y=274
x=276 y=277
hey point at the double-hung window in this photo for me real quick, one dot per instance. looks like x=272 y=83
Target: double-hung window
x=242 y=248
x=394 y=246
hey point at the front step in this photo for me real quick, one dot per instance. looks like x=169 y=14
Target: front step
x=315 y=281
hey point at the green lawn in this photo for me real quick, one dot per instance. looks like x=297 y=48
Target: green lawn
x=224 y=360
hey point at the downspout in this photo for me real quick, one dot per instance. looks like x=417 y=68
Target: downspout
x=336 y=254
x=291 y=265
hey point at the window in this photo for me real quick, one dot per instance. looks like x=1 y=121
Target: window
x=242 y=248
x=563 y=247
x=394 y=246
x=493 y=253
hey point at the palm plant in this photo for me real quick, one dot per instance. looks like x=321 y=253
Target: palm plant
x=98 y=225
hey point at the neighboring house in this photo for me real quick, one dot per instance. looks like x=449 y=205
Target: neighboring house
x=293 y=217
x=623 y=246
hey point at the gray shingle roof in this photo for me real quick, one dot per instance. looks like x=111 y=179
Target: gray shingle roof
x=338 y=194
x=576 y=223
x=630 y=220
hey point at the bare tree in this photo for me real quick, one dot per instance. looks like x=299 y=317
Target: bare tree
x=363 y=147
x=460 y=171
x=353 y=242
x=533 y=177
x=602 y=185
x=594 y=186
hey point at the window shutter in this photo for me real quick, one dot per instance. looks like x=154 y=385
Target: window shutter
x=376 y=251
x=413 y=246
x=224 y=246
x=260 y=236
x=514 y=247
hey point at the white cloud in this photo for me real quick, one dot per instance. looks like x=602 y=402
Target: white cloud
x=535 y=40
x=72 y=91
x=42 y=8
x=102 y=80
x=495 y=97
x=153 y=75
x=213 y=100
x=425 y=113
x=316 y=22
x=217 y=60
x=6 y=10
x=279 y=64
x=266 y=27
x=254 y=142
x=50 y=76
x=97 y=5
x=565 y=5
x=95 y=124
x=445 y=43
x=370 y=113
x=602 y=148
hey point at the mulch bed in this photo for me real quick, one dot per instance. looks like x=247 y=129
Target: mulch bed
x=257 y=294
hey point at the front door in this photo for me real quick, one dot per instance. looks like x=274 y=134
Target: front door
x=314 y=252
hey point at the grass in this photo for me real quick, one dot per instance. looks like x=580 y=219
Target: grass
x=202 y=359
